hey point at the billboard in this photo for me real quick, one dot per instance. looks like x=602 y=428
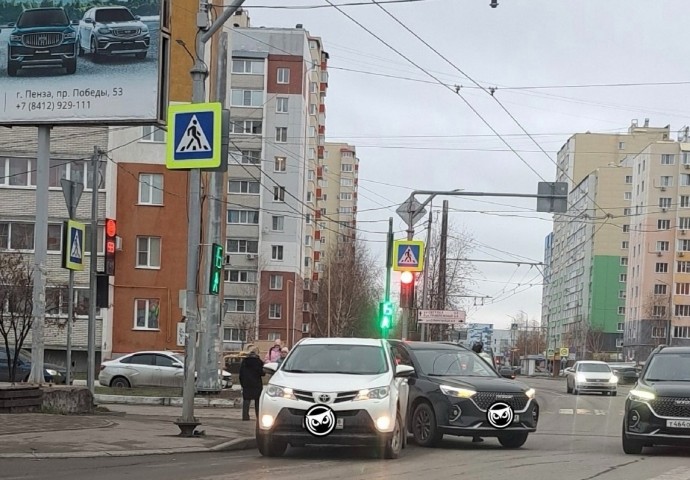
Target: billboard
x=80 y=62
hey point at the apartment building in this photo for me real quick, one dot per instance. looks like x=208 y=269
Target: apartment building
x=71 y=150
x=658 y=291
x=585 y=289
x=338 y=193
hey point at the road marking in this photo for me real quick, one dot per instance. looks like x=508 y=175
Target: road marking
x=680 y=473
x=566 y=411
x=599 y=412
x=583 y=411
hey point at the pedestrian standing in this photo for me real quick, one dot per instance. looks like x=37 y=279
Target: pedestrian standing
x=251 y=373
x=283 y=353
x=273 y=353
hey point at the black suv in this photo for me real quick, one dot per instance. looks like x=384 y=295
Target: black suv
x=454 y=391
x=42 y=37
x=657 y=410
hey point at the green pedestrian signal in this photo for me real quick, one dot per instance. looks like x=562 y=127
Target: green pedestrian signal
x=216 y=269
x=385 y=315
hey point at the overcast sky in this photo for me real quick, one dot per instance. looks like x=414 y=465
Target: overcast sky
x=417 y=134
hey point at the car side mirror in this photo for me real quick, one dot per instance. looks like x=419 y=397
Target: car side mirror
x=403 y=371
x=88 y=20
x=271 y=367
x=11 y=24
x=137 y=17
x=75 y=22
x=178 y=365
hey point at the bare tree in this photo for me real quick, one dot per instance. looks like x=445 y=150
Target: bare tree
x=348 y=291
x=658 y=307
x=531 y=336
x=595 y=338
x=16 y=306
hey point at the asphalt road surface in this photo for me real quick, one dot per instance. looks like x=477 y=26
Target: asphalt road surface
x=578 y=439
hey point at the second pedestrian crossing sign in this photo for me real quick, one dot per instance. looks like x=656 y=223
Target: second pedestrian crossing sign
x=408 y=256
x=194 y=136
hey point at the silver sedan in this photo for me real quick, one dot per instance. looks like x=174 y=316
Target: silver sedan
x=149 y=369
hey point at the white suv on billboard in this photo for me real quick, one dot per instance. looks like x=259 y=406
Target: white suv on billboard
x=335 y=391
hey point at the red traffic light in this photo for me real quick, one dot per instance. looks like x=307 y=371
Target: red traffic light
x=406 y=277
x=110 y=227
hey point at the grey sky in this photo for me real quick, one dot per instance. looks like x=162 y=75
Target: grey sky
x=421 y=135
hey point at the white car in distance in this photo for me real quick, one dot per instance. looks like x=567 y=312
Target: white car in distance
x=335 y=391
x=591 y=376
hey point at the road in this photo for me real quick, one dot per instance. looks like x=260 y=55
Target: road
x=578 y=439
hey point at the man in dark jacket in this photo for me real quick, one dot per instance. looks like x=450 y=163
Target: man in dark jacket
x=251 y=371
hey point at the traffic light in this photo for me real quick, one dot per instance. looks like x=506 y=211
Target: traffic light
x=216 y=269
x=385 y=315
x=407 y=284
x=110 y=245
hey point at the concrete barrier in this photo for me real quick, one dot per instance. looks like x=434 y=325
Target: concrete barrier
x=67 y=400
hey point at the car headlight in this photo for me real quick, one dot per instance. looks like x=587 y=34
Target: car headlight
x=15 y=38
x=52 y=373
x=104 y=30
x=280 y=392
x=144 y=29
x=580 y=377
x=613 y=379
x=457 y=392
x=643 y=395
x=71 y=35
x=530 y=393
x=373 y=393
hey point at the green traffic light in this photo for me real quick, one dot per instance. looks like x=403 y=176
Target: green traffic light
x=216 y=269
x=386 y=315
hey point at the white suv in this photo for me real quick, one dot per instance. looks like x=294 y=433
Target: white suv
x=335 y=391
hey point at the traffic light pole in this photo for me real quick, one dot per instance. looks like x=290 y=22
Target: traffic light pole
x=389 y=265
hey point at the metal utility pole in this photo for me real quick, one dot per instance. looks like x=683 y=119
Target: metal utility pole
x=442 y=261
x=210 y=341
x=93 y=264
x=188 y=423
x=329 y=299
x=425 y=288
x=40 y=255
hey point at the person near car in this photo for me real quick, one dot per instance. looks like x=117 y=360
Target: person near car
x=273 y=353
x=251 y=371
x=477 y=348
x=283 y=353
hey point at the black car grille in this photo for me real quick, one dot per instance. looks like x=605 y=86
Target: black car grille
x=304 y=395
x=667 y=407
x=346 y=396
x=485 y=399
x=42 y=40
x=127 y=32
x=340 y=397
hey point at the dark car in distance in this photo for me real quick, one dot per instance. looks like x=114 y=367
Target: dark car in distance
x=453 y=391
x=42 y=37
x=52 y=373
x=657 y=410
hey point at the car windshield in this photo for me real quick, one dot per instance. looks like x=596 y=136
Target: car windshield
x=594 y=368
x=49 y=17
x=343 y=359
x=453 y=363
x=669 y=367
x=109 y=15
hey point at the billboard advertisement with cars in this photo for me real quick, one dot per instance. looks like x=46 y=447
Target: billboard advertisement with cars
x=82 y=61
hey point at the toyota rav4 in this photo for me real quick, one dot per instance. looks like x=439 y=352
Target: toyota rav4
x=337 y=391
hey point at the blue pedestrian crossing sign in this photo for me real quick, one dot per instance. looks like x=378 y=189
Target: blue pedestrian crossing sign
x=408 y=256
x=194 y=136
x=73 y=245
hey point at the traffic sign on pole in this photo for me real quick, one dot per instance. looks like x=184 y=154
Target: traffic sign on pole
x=73 y=246
x=195 y=136
x=408 y=256
x=442 y=316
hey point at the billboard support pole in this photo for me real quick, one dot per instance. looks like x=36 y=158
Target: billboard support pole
x=188 y=423
x=40 y=255
x=93 y=267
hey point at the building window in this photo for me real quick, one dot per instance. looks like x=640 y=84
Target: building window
x=278 y=194
x=246 y=127
x=273 y=336
x=153 y=134
x=627 y=211
x=242 y=66
x=234 y=335
x=280 y=164
x=239 y=305
x=307 y=218
x=307 y=262
x=148 y=252
x=346 y=167
x=281 y=134
x=683 y=267
x=665 y=202
x=275 y=282
x=277 y=252
x=247 y=98
x=624 y=244
x=623 y=277
x=243 y=217
x=682 y=288
x=621 y=294
x=244 y=186
x=661 y=267
x=283 y=76
x=282 y=105
x=685 y=201
x=243 y=246
x=310 y=197
x=307 y=240
x=658 y=332
x=660 y=289
x=146 y=313
x=624 y=261
x=150 y=189
x=346 y=182
x=247 y=157
x=668 y=159
x=312 y=109
x=666 y=181
x=662 y=246
x=627 y=196
x=57 y=301
x=277 y=223
x=275 y=311
x=621 y=311
x=241 y=276
x=663 y=224
x=681 y=332
x=346 y=196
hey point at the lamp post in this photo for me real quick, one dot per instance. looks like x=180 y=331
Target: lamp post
x=287 y=315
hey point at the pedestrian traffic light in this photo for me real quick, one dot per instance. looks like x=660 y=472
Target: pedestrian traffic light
x=110 y=245
x=407 y=284
x=385 y=315
x=216 y=269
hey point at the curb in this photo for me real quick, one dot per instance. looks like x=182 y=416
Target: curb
x=165 y=401
x=244 y=443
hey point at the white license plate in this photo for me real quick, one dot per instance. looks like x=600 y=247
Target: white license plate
x=516 y=418
x=678 y=423
x=339 y=424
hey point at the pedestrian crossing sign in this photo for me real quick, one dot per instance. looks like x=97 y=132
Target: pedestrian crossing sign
x=73 y=245
x=408 y=256
x=194 y=136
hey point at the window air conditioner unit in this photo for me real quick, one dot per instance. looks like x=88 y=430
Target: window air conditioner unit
x=681 y=254
x=663 y=189
x=251 y=256
x=658 y=254
x=664 y=209
x=682 y=232
x=687 y=166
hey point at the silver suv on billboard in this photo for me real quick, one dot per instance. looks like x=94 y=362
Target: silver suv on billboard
x=113 y=31
x=42 y=37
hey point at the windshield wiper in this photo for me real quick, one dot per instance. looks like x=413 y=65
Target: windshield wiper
x=299 y=371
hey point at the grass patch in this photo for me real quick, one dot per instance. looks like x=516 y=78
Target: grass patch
x=140 y=392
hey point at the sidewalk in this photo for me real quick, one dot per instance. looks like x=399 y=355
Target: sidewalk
x=127 y=430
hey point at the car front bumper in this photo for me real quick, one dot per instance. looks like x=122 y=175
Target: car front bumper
x=43 y=57
x=123 y=46
x=644 y=423
x=463 y=417
x=599 y=387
